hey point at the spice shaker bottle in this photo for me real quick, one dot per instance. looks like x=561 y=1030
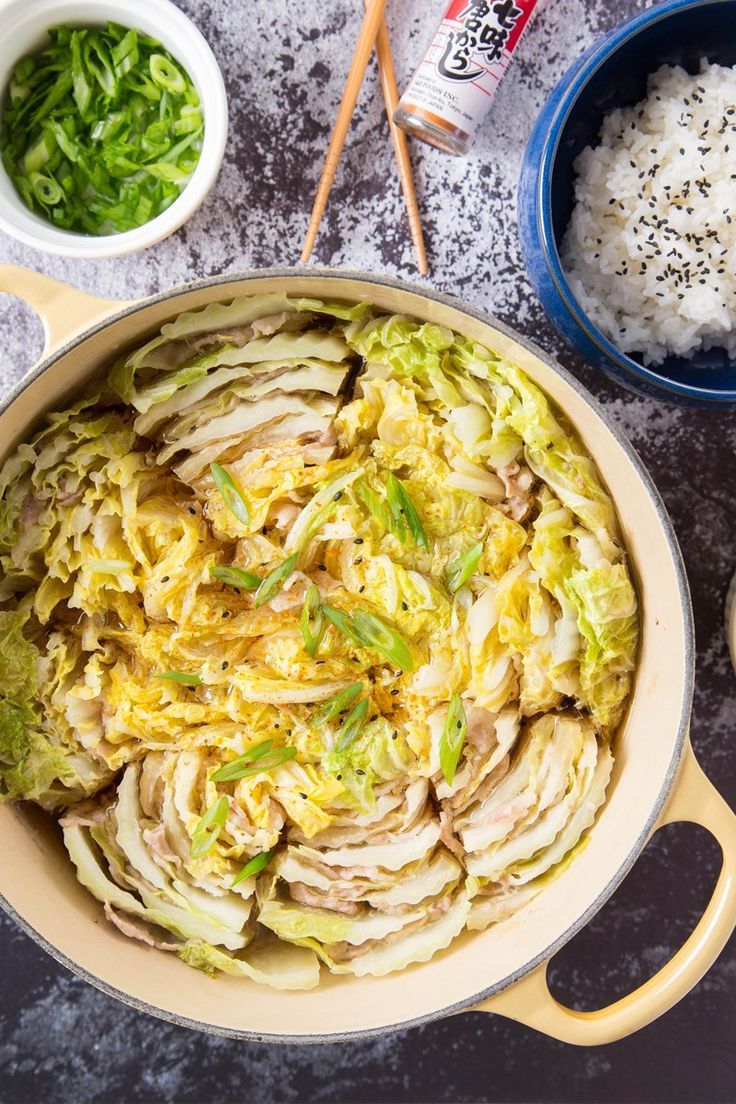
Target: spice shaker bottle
x=450 y=94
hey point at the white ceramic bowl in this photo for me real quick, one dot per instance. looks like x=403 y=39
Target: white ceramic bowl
x=24 y=25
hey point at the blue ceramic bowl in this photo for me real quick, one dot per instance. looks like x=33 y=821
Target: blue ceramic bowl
x=613 y=73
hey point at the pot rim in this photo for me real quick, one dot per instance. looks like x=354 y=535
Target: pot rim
x=285 y=272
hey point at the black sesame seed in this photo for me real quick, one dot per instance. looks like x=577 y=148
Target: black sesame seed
x=404 y=606
x=225 y=665
x=165 y=578
x=394 y=693
x=337 y=497
x=358 y=540
x=360 y=772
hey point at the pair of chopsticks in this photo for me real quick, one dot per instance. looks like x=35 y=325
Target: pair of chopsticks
x=372 y=33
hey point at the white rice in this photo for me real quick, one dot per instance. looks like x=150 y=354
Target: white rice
x=650 y=251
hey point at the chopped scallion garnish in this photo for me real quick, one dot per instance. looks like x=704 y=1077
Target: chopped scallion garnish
x=379 y=509
x=312 y=620
x=182 y=677
x=370 y=631
x=261 y=757
x=208 y=829
x=338 y=703
x=375 y=633
x=231 y=495
x=274 y=581
x=352 y=726
x=237 y=577
x=404 y=511
x=452 y=738
x=101 y=130
x=462 y=568
x=255 y=866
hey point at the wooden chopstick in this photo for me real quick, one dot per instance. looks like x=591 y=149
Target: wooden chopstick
x=361 y=57
x=401 y=143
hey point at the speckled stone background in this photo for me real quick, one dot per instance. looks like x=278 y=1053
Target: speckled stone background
x=284 y=65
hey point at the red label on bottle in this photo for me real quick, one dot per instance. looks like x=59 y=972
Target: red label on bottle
x=467 y=59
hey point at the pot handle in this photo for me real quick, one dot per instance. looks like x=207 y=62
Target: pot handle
x=63 y=310
x=530 y=1002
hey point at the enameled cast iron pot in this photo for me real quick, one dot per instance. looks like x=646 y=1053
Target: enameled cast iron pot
x=656 y=778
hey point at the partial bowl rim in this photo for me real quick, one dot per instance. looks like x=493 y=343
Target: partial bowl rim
x=181 y=36
x=607 y=46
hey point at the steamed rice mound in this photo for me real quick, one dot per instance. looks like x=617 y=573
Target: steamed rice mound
x=650 y=245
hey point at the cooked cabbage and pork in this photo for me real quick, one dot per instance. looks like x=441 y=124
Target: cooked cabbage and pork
x=315 y=632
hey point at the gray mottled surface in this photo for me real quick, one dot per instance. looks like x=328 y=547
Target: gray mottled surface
x=61 y=1041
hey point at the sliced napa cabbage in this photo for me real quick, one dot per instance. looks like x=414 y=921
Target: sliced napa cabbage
x=294 y=922
x=393 y=855
x=221 y=317
x=41 y=758
x=280 y=966
x=596 y=633
x=111 y=533
x=442 y=871
x=243 y=420
x=504 y=903
x=88 y=850
x=416 y=946
x=539 y=811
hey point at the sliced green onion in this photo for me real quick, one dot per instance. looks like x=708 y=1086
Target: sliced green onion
x=342 y=621
x=165 y=73
x=318 y=509
x=370 y=631
x=380 y=511
x=181 y=677
x=276 y=579
x=208 y=829
x=224 y=773
x=338 y=703
x=453 y=738
x=45 y=189
x=82 y=88
x=375 y=633
x=39 y=153
x=312 y=621
x=255 y=866
x=232 y=497
x=352 y=726
x=403 y=509
x=113 y=103
x=237 y=577
x=254 y=762
x=462 y=568
x=125 y=54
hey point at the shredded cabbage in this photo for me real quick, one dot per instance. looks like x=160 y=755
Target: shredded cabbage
x=251 y=776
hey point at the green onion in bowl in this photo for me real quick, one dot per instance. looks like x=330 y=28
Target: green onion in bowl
x=101 y=131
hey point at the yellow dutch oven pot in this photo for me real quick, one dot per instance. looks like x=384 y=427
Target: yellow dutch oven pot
x=503 y=970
